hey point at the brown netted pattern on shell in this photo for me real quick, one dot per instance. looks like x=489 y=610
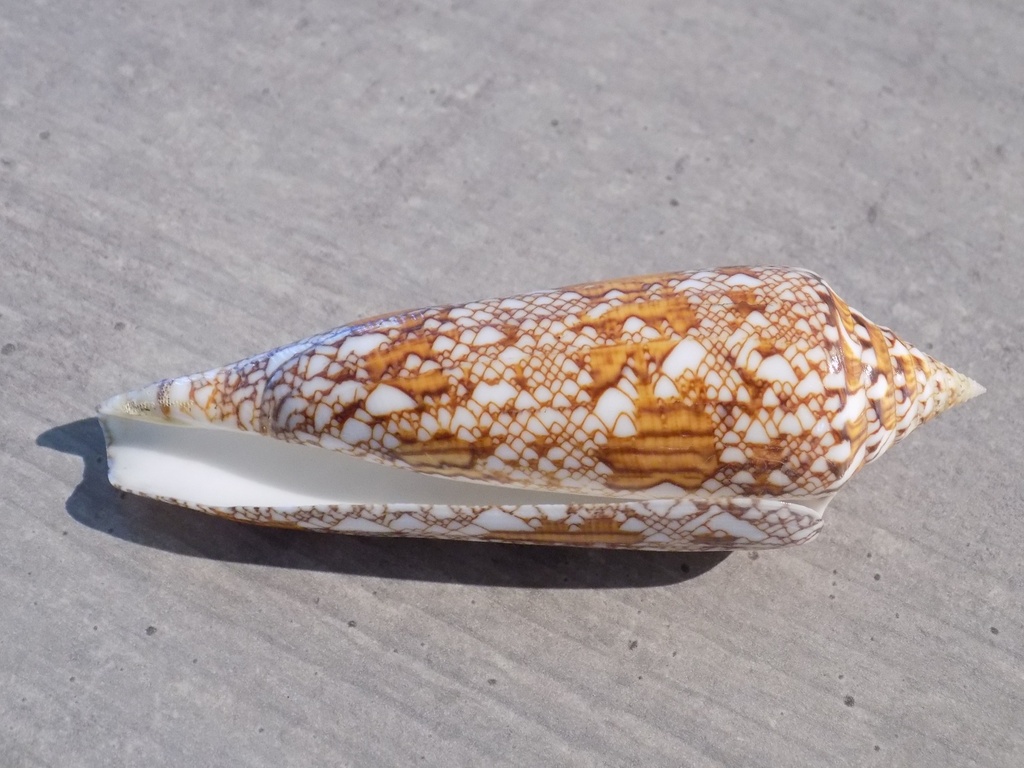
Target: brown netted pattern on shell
x=704 y=405
x=725 y=382
x=670 y=525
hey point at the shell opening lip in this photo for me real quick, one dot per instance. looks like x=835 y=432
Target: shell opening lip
x=195 y=466
x=205 y=468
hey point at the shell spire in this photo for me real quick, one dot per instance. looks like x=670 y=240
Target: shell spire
x=896 y=387
x=943 y=388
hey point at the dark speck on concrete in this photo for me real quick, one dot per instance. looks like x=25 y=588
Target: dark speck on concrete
x=993 y=630
x=554 y=123
x=878 y=576
x=872 y=213
x=877 y=748
x=492 y=681
x=848 y=701
x=118 y=326
x=674 y=203
x=44 y=135
x=633 y=644
x=352 y=623
x=754 y=555
x=7 y=349
x=151 y=630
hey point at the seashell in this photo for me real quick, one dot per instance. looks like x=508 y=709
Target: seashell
x=719 y=409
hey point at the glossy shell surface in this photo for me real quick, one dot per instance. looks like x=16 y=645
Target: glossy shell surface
x=715 y=390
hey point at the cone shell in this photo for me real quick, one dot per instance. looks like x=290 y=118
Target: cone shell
x=731 y=390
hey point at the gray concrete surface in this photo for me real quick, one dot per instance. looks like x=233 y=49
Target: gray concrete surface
x=185 y=183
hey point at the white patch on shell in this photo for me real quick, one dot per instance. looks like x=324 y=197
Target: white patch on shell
x=355 y=432
x=734 y=526
x=496 y=520
x=612 y=404
x=686 y=356
x=385 y=399
x=743 y=280
x=733 y=455
x=488 y=336
x=811 y=385
x=361 y=345
x=776 y=368
x=756 y=434
x=494 y=394
x=666 y=389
